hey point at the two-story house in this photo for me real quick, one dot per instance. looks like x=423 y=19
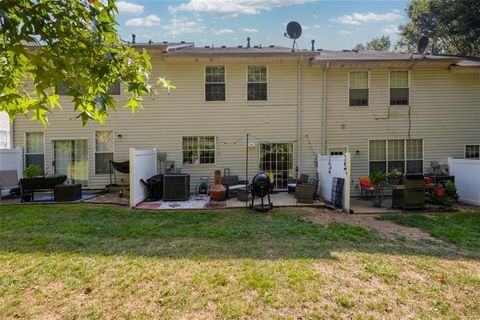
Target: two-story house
x=389 y=110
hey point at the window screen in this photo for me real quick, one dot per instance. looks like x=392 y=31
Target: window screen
x=358 y=88
x=257 y=83
x=215 y=83
x=399 y=88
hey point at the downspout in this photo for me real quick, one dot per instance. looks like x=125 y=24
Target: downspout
x=324 y=110
x=299 y=113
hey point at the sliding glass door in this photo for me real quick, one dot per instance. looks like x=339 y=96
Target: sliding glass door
x=276 y=160
x=71 y=159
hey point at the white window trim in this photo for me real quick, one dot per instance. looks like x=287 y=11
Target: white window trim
x=199 y=164
x=369 y=91
x=294 y=152
x=409 y=88
x=205 y=83
x=247 y=82
x=405 y=153
x=25 y=150
x=465 y=149
x=345 y=147
x=95 y=151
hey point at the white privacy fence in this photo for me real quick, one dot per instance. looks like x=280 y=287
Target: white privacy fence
x=467 y=179
x=11 y=159
x=334 y=176
x=143 y=165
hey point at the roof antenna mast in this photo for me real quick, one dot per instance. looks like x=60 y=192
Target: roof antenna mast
x=294 y=31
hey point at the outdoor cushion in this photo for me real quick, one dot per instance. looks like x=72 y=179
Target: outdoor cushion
x=8 y=181
x=8 y=178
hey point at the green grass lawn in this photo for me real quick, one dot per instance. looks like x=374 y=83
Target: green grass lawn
x=461 y=229
x=88 y=262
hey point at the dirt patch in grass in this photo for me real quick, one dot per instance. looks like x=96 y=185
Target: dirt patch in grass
x=326 y=217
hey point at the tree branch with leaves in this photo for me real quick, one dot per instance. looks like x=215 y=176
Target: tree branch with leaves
x=48 y=43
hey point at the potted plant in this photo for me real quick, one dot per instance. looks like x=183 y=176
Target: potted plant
x=32 y=171
x=451 y=190
x=439 y=190
x=394 y=177
x=377 y=178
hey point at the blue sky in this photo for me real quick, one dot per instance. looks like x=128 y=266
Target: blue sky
x=334 y=25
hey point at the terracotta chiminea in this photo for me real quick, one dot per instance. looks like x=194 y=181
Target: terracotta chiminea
x=218 y=191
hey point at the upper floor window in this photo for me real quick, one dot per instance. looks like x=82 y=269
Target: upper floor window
x=115 y=89
x=103 y=151
x=257 y=83
x=358 y=88
x=214 y=83
x=34 y=149
x=472 y=151
x=198 y=150
x=399 y=88
x=62 y=89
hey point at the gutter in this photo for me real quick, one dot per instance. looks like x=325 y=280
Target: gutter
x=324 y=109
x=299 y=113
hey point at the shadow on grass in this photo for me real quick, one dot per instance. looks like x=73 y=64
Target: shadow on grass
x=102 y=230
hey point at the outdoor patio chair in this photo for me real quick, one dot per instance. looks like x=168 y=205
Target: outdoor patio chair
x=233 y=184
x=8 y=181
x=305 y=192
x=292 y=183
x=366 y=187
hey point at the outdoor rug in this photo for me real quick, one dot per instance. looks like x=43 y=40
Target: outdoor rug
x=49 y=198
x=195 y=202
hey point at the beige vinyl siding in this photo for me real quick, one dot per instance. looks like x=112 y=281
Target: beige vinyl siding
x=445 y=113
x=169 y=117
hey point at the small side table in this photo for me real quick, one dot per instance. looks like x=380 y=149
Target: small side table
x=243 y=194
x=68 y=192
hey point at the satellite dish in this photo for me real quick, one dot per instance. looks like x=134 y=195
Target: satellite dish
x=422 y=45
x=294 y=31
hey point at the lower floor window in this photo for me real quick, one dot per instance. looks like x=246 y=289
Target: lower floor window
x=472 y=151
x=405 y=156
x=198 y=150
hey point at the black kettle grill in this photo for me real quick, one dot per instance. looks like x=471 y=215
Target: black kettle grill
x=261 y=186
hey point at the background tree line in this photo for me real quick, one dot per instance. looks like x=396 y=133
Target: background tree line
x=453 y=27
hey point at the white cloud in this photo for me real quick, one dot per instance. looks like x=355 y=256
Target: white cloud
x=315 y=26
x=249 y=29
x=183 y=25
x=344 y=32
x=359 y=18
x=148 y=21
x=233 y=7
x=125 y=7
x=391 y=28
x=222 y=31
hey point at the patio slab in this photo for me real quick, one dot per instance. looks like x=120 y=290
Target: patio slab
x=281 y=199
